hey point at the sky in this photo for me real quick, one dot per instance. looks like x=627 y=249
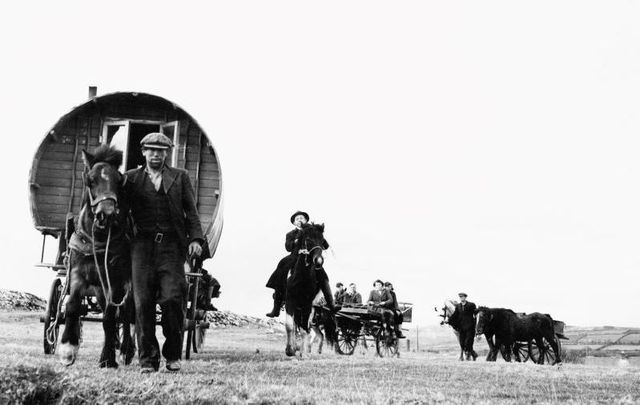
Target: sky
x=486 y=147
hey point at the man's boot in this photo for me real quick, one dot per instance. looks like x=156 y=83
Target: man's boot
x=326 y=291
x=398 y=332
x=277 y=305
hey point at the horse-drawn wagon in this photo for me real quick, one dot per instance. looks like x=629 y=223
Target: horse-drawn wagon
x=362 y=323
x=57 y=187
x=538 y=339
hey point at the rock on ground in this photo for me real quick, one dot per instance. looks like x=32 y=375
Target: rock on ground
x=20 y=301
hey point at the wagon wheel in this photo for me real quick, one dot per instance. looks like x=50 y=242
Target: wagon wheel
x=522 y=351
x=386 y=343
x=347 y=340
x=549 y=356
x=191 y=323
x=199 y=336
x=51 y=327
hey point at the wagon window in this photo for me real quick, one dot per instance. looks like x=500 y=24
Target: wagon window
x=117 y=134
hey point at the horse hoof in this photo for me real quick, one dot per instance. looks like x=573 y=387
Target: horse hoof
x=108 y=364
x=290 y=351
x=67 y=354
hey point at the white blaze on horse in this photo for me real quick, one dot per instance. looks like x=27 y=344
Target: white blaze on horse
x=99 y=258
x=302 y=287
x=447 y=311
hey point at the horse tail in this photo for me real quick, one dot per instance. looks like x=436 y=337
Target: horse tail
x=331 y=329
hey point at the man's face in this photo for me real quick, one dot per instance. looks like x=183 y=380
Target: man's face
x=299 y=220
x=463 y=299
x=378 y=286
x=154 y=157
x=352 y=289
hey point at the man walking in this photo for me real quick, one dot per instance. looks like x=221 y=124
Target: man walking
x=167 y=229
x=464 y=317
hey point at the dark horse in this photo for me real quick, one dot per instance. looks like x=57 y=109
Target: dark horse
x=99 y=258
x=509 y=327
x=302 y=286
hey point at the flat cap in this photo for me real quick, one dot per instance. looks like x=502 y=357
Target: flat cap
x=156 y=140
x=462 y=294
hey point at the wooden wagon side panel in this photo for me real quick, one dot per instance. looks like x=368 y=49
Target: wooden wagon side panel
x=56 y=178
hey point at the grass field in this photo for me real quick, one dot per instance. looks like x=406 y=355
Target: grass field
x=248 y=365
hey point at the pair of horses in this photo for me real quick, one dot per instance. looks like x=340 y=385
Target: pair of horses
x=502 y=328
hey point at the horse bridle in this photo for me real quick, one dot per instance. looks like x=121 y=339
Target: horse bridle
x=309 y=251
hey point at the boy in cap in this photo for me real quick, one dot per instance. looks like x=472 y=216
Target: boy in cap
x=278 y=279
x=166 y=230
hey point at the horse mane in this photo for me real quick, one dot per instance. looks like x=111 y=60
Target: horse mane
x=107 y=154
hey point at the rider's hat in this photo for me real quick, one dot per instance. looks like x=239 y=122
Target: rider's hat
x=462 y=294
x=156 y=140
x=295 y=214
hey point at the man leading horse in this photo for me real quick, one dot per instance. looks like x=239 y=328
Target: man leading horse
x=166 y=229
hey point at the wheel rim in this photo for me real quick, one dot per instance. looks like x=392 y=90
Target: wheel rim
x=346 y=341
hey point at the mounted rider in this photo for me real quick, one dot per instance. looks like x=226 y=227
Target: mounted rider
x=278 y=279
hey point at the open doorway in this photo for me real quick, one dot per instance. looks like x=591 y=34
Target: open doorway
x=136 y=133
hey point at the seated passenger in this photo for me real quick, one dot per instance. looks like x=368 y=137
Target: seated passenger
x=381 y=297
x=352 y=296
x=397 y=314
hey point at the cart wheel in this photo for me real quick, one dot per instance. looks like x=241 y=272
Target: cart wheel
x=387 y=343
x=199 y=336
x=549 y=356
x=347 y=340
x=521 y=351
x=51 y=330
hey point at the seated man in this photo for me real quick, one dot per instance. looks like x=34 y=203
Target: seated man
x=352 y=296
x=380 y=297
x=397 y=314
x=278 y=279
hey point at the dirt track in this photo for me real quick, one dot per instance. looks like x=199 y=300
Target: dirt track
x=248 y=365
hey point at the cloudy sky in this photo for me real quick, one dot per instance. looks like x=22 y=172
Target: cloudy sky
x=490 y=147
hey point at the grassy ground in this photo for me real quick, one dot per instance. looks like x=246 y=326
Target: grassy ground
x=248 y=365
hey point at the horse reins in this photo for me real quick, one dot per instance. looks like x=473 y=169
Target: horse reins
x=108 y=293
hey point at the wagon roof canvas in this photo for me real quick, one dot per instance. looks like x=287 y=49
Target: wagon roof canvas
x=121 y=119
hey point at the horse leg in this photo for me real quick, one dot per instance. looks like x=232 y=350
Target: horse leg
x=70 y=339
x=127 y=317
x=108 y=355
x=321 y=338
x=306 y=344
x=290 y=328
x=540 y=345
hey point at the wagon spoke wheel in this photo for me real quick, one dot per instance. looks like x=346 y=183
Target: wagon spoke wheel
x=549 y=354
x=386 y=343
x=534 y=353
x=51 y=327
x=521 y=351
x=347 y=340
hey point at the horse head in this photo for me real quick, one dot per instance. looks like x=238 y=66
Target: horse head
x=313 y=241
x=103 y=183
x=484 y=316
x=447 y=310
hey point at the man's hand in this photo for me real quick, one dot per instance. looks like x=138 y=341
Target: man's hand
x=303 y=251
x=194 y=249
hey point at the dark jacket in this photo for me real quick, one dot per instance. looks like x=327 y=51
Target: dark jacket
x=181 y=199
x=464 y=318
x=353 y=299
x=383 y=298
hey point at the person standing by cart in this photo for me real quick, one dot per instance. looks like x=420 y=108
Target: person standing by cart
x=167 y=229
x=464 y=316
